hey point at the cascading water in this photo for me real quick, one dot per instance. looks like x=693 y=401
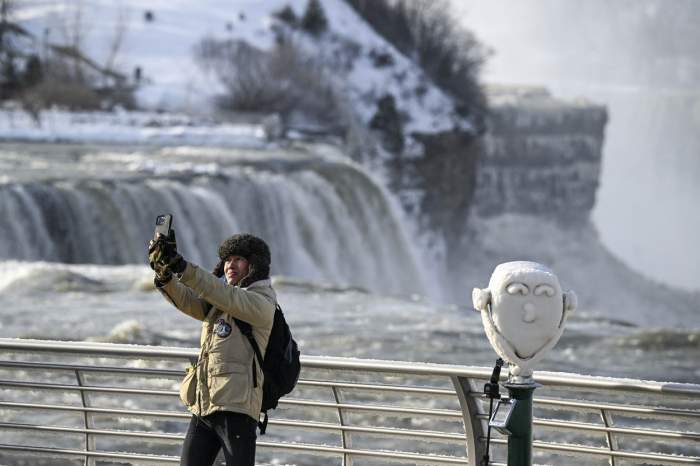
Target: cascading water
x=325 y=220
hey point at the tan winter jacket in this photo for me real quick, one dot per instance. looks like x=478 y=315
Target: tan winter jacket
x=226 y=359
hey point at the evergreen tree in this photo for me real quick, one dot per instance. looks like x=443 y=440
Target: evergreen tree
x=33 y=71
x=10 y=53
x=287 y=15
x=387 y=122
x=314 y=20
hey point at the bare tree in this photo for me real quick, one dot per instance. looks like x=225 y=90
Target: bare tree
x=426 y=32
x=6 y=7
x=74 y=30
x=73 y=79
x=281 y=80
x=117 y=40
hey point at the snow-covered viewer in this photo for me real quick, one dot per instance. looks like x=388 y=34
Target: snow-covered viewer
x=523 y=311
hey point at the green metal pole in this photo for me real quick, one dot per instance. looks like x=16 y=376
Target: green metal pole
x=520 y=425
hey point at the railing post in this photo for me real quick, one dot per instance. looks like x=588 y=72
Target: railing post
x=520 y=425
x=347 y=442
x=473 y=426
x=89 y=440
x=609 y=436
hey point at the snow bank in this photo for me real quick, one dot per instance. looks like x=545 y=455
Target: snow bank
x=126 y=128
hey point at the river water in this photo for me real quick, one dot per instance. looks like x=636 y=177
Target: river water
x=72 y=259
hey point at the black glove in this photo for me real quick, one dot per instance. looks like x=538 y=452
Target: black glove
x=164 y=258
x=163 y=275
x=155 y=252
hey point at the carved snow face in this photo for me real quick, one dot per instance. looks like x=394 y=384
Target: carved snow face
x=523 y=311
x=526 y=307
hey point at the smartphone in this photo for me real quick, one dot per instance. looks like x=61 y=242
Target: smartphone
x=163 y=224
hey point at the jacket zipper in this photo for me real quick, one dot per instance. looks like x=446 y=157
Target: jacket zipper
x=207 y=343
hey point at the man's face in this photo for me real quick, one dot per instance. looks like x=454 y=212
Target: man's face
x=235 y=268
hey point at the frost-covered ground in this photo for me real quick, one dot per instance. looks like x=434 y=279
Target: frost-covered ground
x=163 y=50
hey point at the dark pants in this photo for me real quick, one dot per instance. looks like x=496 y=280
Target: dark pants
x=235 y=432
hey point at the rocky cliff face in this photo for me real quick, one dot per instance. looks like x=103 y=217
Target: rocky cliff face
x=437 y=186
x=541 y=156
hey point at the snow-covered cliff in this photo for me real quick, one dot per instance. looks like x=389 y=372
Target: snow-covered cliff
x=542 y=156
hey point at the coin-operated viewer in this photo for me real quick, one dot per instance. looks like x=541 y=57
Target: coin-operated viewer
x=523 y=311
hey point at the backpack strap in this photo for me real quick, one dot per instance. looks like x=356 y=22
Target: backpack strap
x=263 y=424
x=247 y=330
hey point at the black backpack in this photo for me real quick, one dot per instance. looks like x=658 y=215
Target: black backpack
x=281 y=364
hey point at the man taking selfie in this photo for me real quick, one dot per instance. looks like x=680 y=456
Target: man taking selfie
x=223 y=390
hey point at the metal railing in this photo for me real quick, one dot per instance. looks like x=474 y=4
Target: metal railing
x=97 y=403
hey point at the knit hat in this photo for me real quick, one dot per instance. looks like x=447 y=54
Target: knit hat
x=251 y=248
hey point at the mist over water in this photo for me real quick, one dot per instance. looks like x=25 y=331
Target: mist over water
x=640 y=59
x=648 y=208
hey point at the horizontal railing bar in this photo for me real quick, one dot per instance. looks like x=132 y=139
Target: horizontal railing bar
x=281 y=422
x=180 y=373
x=382 y=409
x=322 y=362
x=554 y=379
x=107 y=369
x=377 y=408
x=379 y=387
x=597 y=406
x=552 y=402
x=380 y=454
x=296 y=402
x=593 y=405
x=422 y=434
x=82 y=430
x=94 y=348
x=87 y=388
x=177 y=373
x=619 y=453
x=126 y=412
x=317 y=362
x=434 y=459
x=607 y=452
x=574 y=404
x=94 y=454
x=582 y=426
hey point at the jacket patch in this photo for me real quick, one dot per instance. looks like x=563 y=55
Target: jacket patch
x=222 y=328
